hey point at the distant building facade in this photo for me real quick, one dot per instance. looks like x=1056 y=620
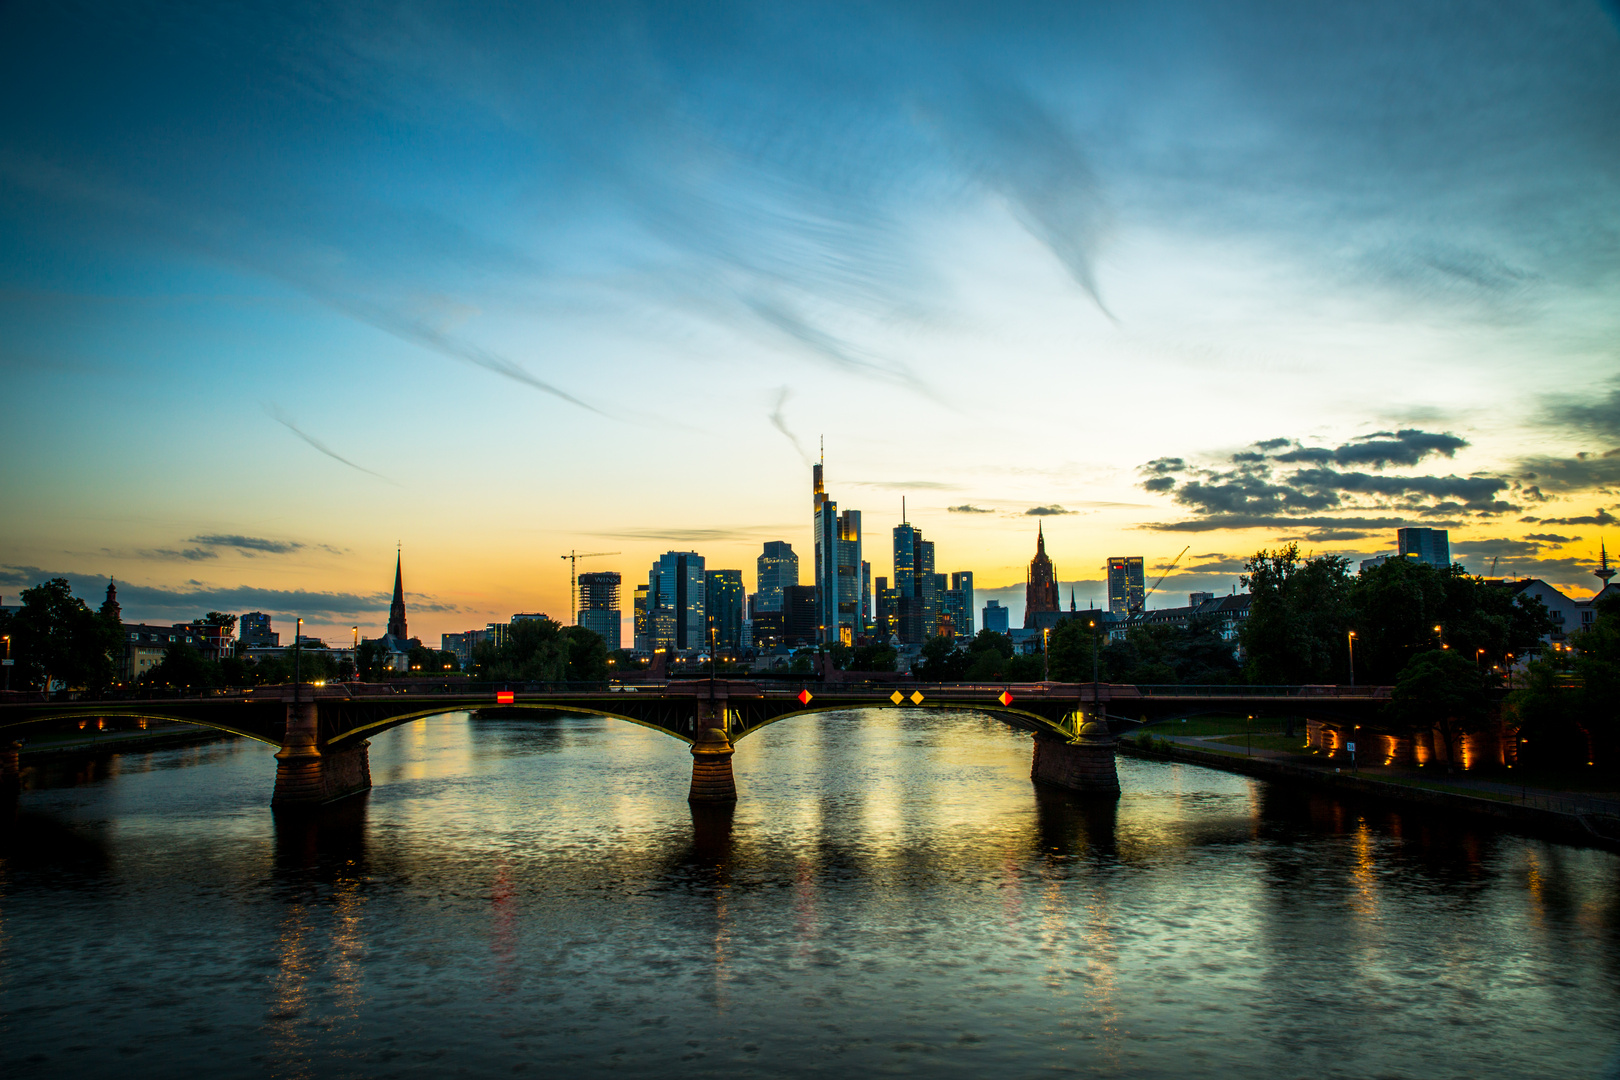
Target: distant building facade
x=254 y=632
x=995 y=616
x=676 y=610
x=599 y=605
x=962 y=582
x=775 y=570
x=1432 y=546
x=1126 y=588
x=723 y=597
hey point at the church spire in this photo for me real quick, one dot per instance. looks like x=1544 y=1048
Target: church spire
x=396 y=610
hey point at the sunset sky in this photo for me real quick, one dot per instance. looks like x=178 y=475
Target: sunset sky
x=284 y=287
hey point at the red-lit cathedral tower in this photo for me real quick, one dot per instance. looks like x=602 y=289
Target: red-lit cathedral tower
x=1040 y=587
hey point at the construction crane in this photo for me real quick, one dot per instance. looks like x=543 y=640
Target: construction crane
x=1162 y=576
x=573 y=558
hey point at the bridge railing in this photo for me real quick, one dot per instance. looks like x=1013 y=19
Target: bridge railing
x=1217 y=690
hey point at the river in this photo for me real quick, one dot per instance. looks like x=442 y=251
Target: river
x=891 y=896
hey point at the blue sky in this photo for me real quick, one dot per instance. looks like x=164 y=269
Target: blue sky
x=494 y=282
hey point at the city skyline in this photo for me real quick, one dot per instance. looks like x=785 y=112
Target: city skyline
x=1152 y=277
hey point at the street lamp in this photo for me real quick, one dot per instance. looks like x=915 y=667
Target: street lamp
x=1046 y=666
x=1352 y=658
x=1438 y=636
x=1092 y=624
x=8 y=663
x=298 y=641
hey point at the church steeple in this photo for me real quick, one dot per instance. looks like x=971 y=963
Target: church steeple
x=1040 y=584
x=396 y=610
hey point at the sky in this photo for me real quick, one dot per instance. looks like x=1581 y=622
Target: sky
x=288 y=288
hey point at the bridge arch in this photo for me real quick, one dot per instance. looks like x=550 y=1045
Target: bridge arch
x=377 y=727
x=137 y=712
x=1022 y=719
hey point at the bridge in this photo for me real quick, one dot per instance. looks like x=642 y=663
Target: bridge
x=322 y=732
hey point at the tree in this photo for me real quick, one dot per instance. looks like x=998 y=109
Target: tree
x=1297 y=628
x=215 y=618
x=534 y=651
x=56 y=637
x=183 y=667
x=875 y=657
x=1567 y=709
x=1444 y=687
x=368 y=660
x=1070 y=649
x=941 y=661
x=426 y=661
x=587 y=655
x=1395 y=607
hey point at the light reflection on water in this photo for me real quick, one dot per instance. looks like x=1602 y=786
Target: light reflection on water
x=891 y=894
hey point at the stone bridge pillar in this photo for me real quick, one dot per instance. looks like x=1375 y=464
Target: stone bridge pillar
x=10 y=781
x=308 y=774
x=1083 y=763
x=712 y=779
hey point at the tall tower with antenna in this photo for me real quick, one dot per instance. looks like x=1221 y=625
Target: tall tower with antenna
x=1604 y=571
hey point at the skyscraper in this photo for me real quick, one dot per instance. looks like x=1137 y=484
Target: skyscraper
x=1040 y=584
x=838 y=565
x=776 y=569
x=1125 y=585
x=1432 y=546
x=905 y=558
x=962 y=581
x=675 y=600
x=995 y=617
x=643 y=637
x=599 y=605
x=723 y=596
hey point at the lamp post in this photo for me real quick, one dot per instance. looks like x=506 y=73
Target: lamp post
x=1439 y=638
x=8 y=663
x=298 y=655
x=1352 y=640
x=1046 y=666
x=1092 y=625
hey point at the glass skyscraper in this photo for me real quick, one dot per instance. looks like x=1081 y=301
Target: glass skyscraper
x=723 y=595
x=776 y=569
x=676 y=612
x=1125 y=585
x=1432 y=546
x=599 y=605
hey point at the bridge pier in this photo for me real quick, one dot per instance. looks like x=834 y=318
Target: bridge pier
x=712 y=779
x=1084 y=763
x=308 y=774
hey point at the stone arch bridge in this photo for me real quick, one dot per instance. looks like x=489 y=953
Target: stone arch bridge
x=322 y=732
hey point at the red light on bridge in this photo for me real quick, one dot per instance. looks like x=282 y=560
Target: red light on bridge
x=1005 y=698
x=505 y=697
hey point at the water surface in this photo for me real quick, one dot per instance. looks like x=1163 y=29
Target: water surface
x=891 y=895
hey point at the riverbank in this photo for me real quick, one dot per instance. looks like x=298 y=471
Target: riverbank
x=1572 y=823
x=109 y=742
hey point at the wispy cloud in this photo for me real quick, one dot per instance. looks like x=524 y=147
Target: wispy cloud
x=249 y=544
x=968 y=508
x=280 y=418
x=779 y=422
x=1047 y=511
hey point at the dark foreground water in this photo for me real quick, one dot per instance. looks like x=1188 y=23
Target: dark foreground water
x=892 y=896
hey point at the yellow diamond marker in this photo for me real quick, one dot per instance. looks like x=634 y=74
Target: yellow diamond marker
x=896 y=698
x=916 y=697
